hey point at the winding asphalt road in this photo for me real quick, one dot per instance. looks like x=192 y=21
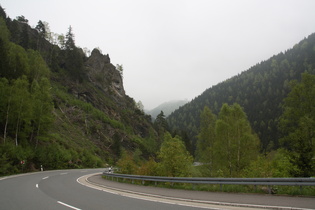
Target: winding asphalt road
x=58 y=190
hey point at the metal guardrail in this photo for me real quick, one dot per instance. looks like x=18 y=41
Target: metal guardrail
x=220 y=181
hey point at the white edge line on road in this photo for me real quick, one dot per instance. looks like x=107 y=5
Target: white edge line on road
x=46 y=177
x=134 y=195
x=67 y=205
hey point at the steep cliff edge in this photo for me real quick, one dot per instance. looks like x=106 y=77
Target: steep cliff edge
x=99 y=111
x=103 y=74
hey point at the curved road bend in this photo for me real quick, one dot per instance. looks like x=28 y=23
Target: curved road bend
x=59 y=190
x=265 y=200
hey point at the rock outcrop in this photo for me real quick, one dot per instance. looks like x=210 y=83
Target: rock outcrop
x=104 y=75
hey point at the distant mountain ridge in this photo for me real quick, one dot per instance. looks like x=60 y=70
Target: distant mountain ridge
x=166 y=107
x=260 y=91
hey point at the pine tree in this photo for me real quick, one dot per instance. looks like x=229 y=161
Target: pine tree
x=70 y=44
x=160 y=123
x=74 y=60
x=4 y=48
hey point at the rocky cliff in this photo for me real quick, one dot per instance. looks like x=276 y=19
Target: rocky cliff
x=78 y=113
x=103 y=74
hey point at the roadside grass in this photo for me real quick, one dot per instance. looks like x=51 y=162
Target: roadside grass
x=259 y=189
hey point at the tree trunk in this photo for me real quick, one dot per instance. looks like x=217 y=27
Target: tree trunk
x=18 y=124
x=7 y=119
x=38 y=128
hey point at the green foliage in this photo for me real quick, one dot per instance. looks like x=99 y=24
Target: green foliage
x=175 y=161
x=261 y=167
x=126 y=164
x=3 y=14
x=298 y=125
x=161 y=124
x=90 y=161
x=53 y=156
x=73 y=58
x=260 y=90
x=38 y=67
x=25 y=111
x=275 y=164
x=20 y=110
x=4 y=32
x=18 y=62
x=40 y=27
x=281 y=164
x=42 y=117
x=11 y=157
x=61 y=119
x=235 y=144
x=88 y=108
x=206 y=137
x=150 y=143
x=148 y=168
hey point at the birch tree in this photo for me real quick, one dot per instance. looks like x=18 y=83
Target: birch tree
x=206 y=137
x=235 y=145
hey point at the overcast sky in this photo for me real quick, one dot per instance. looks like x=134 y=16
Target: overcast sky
x=176 y=49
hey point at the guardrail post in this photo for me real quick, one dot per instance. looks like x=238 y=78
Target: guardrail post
x=221 y=187
x=143 y=182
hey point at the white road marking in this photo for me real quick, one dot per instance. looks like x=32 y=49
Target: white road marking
x=178 y=201
x=67 y=205
x=36 y=185
x=46 y=177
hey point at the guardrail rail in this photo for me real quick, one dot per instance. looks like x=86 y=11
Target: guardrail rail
x=219 y=181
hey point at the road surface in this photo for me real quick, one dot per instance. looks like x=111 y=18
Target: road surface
x=67 y=189
x=59 y=190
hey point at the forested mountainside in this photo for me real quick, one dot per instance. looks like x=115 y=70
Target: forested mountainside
x=60 y=107
x=260 y=91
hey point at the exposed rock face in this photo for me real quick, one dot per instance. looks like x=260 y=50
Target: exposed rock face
x=103 y=74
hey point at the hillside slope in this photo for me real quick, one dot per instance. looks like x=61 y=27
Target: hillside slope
x=60 y=108
x=260 y=91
